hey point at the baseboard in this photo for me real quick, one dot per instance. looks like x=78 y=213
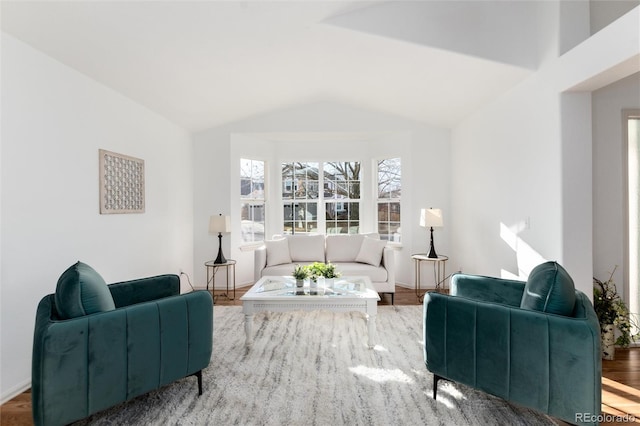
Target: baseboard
x=404 y=285
x=15 y=391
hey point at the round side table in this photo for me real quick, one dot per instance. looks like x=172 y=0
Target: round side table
x=439 y=271
x=212 y=269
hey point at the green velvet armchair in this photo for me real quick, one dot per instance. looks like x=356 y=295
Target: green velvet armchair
x=534 y=343
x=96 y=346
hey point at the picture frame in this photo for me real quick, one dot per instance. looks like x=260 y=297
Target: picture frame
x=122 y=183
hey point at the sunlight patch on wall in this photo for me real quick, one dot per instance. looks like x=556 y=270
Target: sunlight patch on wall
x=526 y=257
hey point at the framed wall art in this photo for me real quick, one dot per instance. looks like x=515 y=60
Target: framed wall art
x=121 y=183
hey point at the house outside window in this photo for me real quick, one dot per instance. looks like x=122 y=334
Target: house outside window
x=342 y=197
x=307 y=208
x=252 y=200
x=389 y=195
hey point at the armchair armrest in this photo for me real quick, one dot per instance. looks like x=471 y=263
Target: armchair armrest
x=548 y=362
x=487 y=289
x=144 y=289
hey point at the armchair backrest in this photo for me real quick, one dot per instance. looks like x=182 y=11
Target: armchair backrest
x=85 y=364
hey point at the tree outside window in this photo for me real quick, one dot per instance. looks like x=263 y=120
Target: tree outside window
x=389 y=195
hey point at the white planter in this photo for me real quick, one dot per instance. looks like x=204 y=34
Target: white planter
x=608 y=341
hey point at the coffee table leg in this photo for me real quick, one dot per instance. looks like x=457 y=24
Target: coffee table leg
x=371 y=328
x=248 y=329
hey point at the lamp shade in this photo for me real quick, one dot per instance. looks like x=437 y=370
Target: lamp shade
x=431 y=218
x=219 y=224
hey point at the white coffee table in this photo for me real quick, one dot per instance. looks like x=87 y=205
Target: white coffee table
x=280 y=294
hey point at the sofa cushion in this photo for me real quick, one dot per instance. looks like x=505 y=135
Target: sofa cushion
x=371 y=251
x=277 y=252
x=355 y=269
x=343 y=247
x=306 y=248
x=550 y=289
x=82 y=291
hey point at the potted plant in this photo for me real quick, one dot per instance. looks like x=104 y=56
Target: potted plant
x=316 y=270
x=330 y=274
x=330 y=271
x=300 y=273
x=612 y=314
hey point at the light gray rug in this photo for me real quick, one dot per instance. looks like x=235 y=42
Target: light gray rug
x=313 y=368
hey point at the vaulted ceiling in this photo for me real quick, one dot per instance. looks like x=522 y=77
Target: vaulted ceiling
x=202 y=64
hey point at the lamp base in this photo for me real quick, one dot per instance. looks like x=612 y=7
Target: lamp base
x=432 y=251
x=220 y=259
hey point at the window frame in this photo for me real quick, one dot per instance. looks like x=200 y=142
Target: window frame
x=253 y=201
x=389 y=201
x=320 y=200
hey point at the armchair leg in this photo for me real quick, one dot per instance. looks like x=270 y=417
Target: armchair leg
x=392 y=296
x=436 y=379
x=198 y=375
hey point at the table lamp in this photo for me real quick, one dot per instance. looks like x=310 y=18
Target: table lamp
x=430 y=218
x=220 y=224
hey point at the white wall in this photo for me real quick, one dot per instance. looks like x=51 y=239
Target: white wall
x=425 y=162
x=54 y=120
x=516 y=164
x=506 y=183
x=604 y=12
x=523 y=163
x=608 y=183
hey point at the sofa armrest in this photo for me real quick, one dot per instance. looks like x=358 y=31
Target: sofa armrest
x=144 y=289
x=487 y=289
x=86 y=364
x=389 y=263
x=547 y=362
x=259 y=262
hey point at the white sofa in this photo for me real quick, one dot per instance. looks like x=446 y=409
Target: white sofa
x=353 y=255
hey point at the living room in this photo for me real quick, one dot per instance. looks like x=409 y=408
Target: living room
x=532 y=155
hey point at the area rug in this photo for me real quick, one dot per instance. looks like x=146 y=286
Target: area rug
x=314 y=368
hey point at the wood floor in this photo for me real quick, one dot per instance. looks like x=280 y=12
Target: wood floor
x=620 y=378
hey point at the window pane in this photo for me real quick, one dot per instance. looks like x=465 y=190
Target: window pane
x=342 y=190
x=252 y=213
x=252 y=222
x=309 y=188
x=389 y=193
x=354 y=211
x=251 y=179
x=300 y=181
x=342 y=217
x=389 y=178
x=346 y=176
x=300 y=217
x=383 y=212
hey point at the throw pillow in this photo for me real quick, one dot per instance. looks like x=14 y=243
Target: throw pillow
x=549 y=289
x=277 y=252
x=82 y=291
x=306 y=248
x=343 y=247
x=371 y=251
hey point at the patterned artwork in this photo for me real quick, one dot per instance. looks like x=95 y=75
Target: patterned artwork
x=121 y=183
